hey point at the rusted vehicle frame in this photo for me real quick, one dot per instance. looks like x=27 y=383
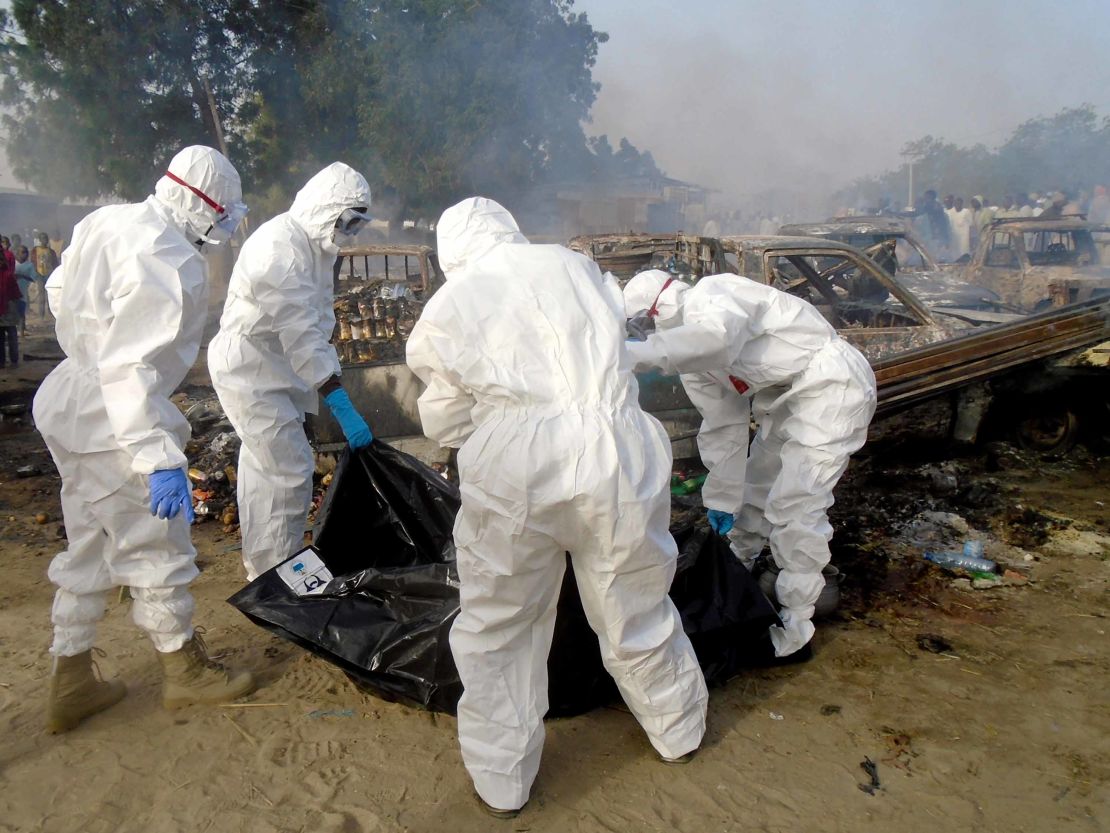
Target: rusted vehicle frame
x=916 y=375
x=431 y=275
x=1037 y=286
x=753 y=259
x=886 y=228
x=385 y=390
x=626 y=254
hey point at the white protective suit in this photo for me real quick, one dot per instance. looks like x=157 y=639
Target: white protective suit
x=522 y=355
x=130 y=299
x=271 y=355
x=736 y=341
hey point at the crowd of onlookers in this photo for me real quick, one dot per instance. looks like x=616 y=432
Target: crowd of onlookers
x=23 y=274
x=953 y=227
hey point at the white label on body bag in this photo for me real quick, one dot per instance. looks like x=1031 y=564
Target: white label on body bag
x=305 y=574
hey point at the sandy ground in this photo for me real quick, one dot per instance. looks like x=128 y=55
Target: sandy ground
x=1005 y=731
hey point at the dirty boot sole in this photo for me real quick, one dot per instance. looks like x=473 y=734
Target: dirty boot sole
x=177 y=697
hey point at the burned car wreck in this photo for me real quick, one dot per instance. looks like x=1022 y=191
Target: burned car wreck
x=908 y=254
x=380 y=289
x=1035 y=264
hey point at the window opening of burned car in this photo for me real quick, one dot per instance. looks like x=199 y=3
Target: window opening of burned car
x=1060 y=248
x=1002 y=251
x=841 y=288
x=378 y=299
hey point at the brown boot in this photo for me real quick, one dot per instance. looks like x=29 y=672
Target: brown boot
x=192 y=678
x=77 y=691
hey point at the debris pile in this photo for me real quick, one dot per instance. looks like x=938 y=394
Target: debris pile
x=373 y=321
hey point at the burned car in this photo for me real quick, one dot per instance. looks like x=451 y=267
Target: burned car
x=894 y=245
x=381 y=289
x=380 y=292
x=871 y=309
x=907 y=253
x=933 y=365
x=687 y=255
x=1036 y=264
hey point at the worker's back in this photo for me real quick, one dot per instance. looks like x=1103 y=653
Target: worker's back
x=774 y=335
x=535 y=330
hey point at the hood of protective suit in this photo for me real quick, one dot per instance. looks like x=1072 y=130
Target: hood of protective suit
x=209 y=172
x=471 y=229
x=647 y=288
x=324 y=197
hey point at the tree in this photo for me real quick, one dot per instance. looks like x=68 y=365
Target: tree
x=1070 y=150
x=432 y=99
x=438 y=99
x=101 y=93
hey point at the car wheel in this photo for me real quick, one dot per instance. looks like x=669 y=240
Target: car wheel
x=1051 y=432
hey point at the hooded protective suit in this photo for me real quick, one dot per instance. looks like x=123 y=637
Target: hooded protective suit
x=130 y=298
x=522 y=354
x=273 y=353
x=737 y=342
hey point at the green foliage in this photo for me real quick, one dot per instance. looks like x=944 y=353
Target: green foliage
x=1069 y=151
x=102 y=92
x=432 y=99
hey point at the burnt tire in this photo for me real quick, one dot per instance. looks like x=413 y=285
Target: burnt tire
x=1049 y=432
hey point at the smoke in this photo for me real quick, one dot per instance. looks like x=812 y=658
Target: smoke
x=804 y=96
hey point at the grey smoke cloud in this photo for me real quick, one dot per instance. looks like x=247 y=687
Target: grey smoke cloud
x=807 y=95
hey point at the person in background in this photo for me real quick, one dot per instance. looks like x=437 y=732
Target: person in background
x=26 y=276
x=1099 y=210
x=982 y=215
x=937 y=228
x=131 y=299
x=46 y=261
x=273 y=361
x=9 y=255
x=960 y=219
x=10 y=297
x=522 y=354
x=1055 y=208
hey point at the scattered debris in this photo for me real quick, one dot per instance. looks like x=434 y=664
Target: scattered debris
x=872 y=770
x=829 y=709
x=42 y=518
x=775 y=716
x=933 y=643
x=28 y=471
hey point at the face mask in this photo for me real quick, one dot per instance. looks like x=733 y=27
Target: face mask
x=227 y=217
x=348 y=226
x=224 y=227
x=640 y=326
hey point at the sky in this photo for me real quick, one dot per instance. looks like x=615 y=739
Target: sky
x=747 y=95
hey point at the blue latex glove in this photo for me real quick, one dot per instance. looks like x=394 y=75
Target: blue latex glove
x=354 y=426
x=720 y=522
x=169 y=491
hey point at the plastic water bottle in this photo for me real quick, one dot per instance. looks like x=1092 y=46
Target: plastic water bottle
x=962 y=561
